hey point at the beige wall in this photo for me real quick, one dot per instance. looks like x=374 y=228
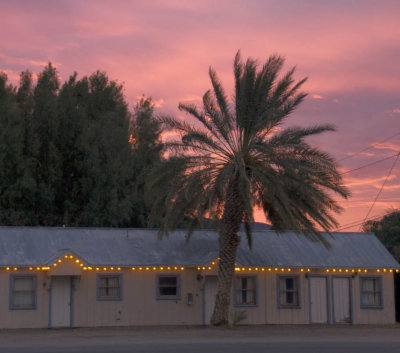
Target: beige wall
x=267 y=311
x=34 y=318
x=140 y=306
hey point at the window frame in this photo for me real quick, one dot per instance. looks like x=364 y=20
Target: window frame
x=373 y=306
x=104 y=275
x=178 y=287
x=11 y=292
x=278 y=292
x=236 y=290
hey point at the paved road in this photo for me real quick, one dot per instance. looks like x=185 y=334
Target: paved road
x=242 y=347
x=265 y=339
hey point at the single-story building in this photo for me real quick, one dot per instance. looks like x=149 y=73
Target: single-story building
x=83 y=277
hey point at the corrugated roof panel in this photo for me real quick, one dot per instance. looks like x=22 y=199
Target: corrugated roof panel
x=30 y=246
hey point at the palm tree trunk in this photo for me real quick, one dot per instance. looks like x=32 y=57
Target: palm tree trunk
x=228 y=243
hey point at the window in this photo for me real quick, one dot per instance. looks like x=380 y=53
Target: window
x=245 y=291
x=288 y=292
x=109 y=287
x=22 y=292
x=371 y=292
x=168 y=287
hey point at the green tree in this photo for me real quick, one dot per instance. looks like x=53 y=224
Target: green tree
x=11 y=153
x=387 y=229
x=73 y=102
x=65 y=156
x=46 y=156
x=106 y=155
x=238 y=157
x=146 y=153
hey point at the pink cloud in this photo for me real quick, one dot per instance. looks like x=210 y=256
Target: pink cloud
x=366 y=181
x=92 y=29
x=23 y=61
x=386 y=146
x=364 y=154
x=11 y=75
x=393 y=111
x=317 y=96
x=164 y=49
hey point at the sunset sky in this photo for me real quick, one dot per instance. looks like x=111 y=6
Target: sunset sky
x=350 y=50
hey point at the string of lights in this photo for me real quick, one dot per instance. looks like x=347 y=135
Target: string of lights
x=199 y=268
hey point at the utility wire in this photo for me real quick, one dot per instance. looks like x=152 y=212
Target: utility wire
x=387 y=177
x=368 y=148
x=359 y=222
x=372 y=163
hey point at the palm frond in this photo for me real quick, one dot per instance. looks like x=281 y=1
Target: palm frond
x=240 y=146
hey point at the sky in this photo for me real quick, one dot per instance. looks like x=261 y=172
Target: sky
x=349 y=50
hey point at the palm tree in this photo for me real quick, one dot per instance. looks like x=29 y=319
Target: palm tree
x=237 y=157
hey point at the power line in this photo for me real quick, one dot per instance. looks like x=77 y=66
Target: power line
x=369 y=164
x=387 y=177
x=368 y=148
x=358 y=222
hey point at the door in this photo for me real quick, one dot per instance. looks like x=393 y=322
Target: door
x=318 y=300
x=341 y=300
x=210 y=292
x=60 y=301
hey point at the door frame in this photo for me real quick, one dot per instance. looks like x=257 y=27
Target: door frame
x=350 y=278
x=328 y=297
x=71 y=293
x=204 y=304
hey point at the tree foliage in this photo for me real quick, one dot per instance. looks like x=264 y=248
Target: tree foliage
x=387 y=229
x=146 y=153
x=65 y=153
x=237 y=157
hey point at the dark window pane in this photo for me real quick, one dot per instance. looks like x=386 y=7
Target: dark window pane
x=168 y=291
x=290 y=298
x=289 y=283
x=244 y=297
x=167 y=281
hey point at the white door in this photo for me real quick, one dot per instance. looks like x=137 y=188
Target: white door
x=60 y=301
x=341 y=300
x=210 y=292
x=319 y=300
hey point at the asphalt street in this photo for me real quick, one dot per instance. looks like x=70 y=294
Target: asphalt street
x=265 y=339
x=242 y=347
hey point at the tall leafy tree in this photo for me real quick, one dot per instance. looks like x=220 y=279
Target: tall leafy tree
x=237 y=157
x=11 y=153
x=73 y=102
x=65 y=156
x=28 y=185
x=106 y=166
x=45 y=132
x=146 y=153
x=387 y=229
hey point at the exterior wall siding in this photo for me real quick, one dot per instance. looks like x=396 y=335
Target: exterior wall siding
x=29 y=318
x=139 y=304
